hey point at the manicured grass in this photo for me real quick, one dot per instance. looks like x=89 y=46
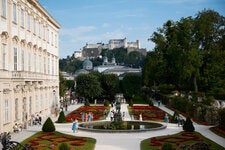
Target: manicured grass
x=184 y=138
x=52 y=140
x=217 y=131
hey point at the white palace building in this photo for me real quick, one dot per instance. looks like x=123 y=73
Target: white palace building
x=29 y=83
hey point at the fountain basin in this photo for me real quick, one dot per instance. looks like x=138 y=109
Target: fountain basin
x=138 y=126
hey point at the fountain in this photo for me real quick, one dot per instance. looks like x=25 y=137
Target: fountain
x=120 y=126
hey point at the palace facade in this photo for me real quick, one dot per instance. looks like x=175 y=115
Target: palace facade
x=29 y=83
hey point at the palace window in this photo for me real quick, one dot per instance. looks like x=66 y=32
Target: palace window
x=3 y=56
x=16 y=109
x=4 y=8
x=15 y=59
x=22 y=17
x=22 y=59
x=14 y=13
x=28 y=22
x=29 y=62
x=6 y=114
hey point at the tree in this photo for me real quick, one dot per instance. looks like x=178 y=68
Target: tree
x=110 y=85
x=88 y=86
x=62 y=85
x=131 y=84
x=189 y=51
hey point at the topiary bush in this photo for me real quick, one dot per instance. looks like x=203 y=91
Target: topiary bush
x=48 y=126
x=167 y=146
x=86 y=103
x=188 y=125
x=62 y=118
x=64 y=146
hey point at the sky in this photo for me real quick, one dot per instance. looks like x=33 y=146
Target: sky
x=94 y=21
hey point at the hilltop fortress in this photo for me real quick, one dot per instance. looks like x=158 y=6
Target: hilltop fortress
x=94 y=50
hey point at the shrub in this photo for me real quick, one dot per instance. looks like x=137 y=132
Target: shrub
x=64 y=146
x=188 y=125
x=62 y=118
x=86 y=103
x=131 y=103
x=150 y=103
x=222 y=119
x=174 y=118
x=167 y=146
x=106 y=103
x=48 y=126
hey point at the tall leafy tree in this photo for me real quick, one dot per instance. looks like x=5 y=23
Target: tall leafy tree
x=88 y=86
x=189 y=50
x=131 y=84
x=110 y=85
x=62 y=85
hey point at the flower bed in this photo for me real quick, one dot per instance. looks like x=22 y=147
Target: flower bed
x=52 y=140
x=148 y=112
x=176 y=140
x=97 y=112
x=183 y=137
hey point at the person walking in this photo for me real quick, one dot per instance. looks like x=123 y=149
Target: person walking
x=75 y=126
x=140 y=117
x=111 y=115
x=166 y=119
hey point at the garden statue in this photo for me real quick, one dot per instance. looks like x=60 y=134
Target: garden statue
x=117 y=115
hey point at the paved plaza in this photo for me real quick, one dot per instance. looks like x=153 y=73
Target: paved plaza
x=119 y=141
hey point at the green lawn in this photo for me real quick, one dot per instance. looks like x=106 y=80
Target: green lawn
x=184 y=138
x=51 y=140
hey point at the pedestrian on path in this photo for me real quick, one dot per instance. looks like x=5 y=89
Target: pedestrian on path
x=158 y=103
x=111 y=115
x=75 y=126
x=166 y=119
x=140 y=117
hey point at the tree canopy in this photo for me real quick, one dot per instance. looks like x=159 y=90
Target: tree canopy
x=189 y=54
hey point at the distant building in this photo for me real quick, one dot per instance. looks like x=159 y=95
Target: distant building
x=77 y=54
x=94 y=50
x=107 y=68
x=68 y=76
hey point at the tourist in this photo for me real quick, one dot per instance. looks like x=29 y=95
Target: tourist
x=178 y=120
x=105 y=114
x=166 y=119
x=86 y=117
x=140 y=117
x=158 y=103
x=75 y=126
x=123 y=117
x=15 y=128
x=82 y=116
x=111 y=115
